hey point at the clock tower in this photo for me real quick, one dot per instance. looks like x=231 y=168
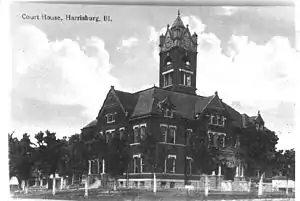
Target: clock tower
x=178 y=58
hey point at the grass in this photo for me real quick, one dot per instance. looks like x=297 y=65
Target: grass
x=166 y=195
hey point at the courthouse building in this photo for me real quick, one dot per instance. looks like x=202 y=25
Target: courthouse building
x=171 y=112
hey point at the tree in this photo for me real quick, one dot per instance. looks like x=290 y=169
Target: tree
x=148 y=147
x=20 y=158
x=117 y=157
x=289 y=165
x=205 y=157
x=51 y=154
x=259 y=150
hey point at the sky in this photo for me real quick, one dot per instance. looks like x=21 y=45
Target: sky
x=62 y=70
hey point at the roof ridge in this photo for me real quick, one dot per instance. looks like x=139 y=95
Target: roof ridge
x=124 y=92
x=145 y=89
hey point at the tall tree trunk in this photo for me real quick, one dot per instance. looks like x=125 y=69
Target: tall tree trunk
x=47 y=184
x=154 y=183
x=73 y=177
x=53 y=184
x=86 y=193
x=61 y=183
x=23 y=185
x=115 y=183
x=287 y=186
x=206 y=186
x=26 y=186
x=260 y=185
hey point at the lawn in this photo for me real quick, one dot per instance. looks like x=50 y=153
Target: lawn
x=166 y=195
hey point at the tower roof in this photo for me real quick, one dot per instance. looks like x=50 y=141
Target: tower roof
x=178 y=22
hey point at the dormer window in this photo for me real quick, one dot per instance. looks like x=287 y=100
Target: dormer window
x=168 y=113
x=110 y=118
x=257 y=126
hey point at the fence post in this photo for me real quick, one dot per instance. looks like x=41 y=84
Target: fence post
x=86 y=187
x=260 y=186
x=249 y=189
x=206 y=186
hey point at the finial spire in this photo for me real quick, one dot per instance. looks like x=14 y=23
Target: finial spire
x=178 y=12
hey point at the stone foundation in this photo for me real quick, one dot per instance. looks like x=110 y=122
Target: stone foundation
x=197 y=182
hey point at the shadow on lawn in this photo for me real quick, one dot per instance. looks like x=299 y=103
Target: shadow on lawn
x=143 y=195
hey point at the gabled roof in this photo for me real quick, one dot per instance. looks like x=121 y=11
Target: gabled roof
x=91 y=124
x=146 y=102
x=128 y=100
x=235 y=115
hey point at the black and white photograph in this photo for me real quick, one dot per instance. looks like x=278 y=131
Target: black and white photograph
x=152 y=102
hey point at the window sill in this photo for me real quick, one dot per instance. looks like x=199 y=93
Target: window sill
x=184 y=85
x=133 y=144
x=167 y=143
x=216 y=125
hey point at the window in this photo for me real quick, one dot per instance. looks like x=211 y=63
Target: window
x=217 y=120
x=109 y=135
x=172 y=138
x=121 y=131
x=163 y=184
x=257 y=126
x=220 y=120
x=172 y=184
x=188 y=136
x=139 y=132
x=168 y=63
x=221 y=140
x=214 y=120
x=186 y=78
x=210 y=138
x=189 y=165
x=110 y=118
x=143 y=131
x=142 y=164
x=136 y=134
x=164 y=131
x=168 y=113
x=142 y=184
x=136 y=163
x=170 y=164
x=187 y=63
x=168 y=134
x=168 y=79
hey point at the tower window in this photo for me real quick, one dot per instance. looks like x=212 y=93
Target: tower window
x=186 y=77
x=168 y=79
